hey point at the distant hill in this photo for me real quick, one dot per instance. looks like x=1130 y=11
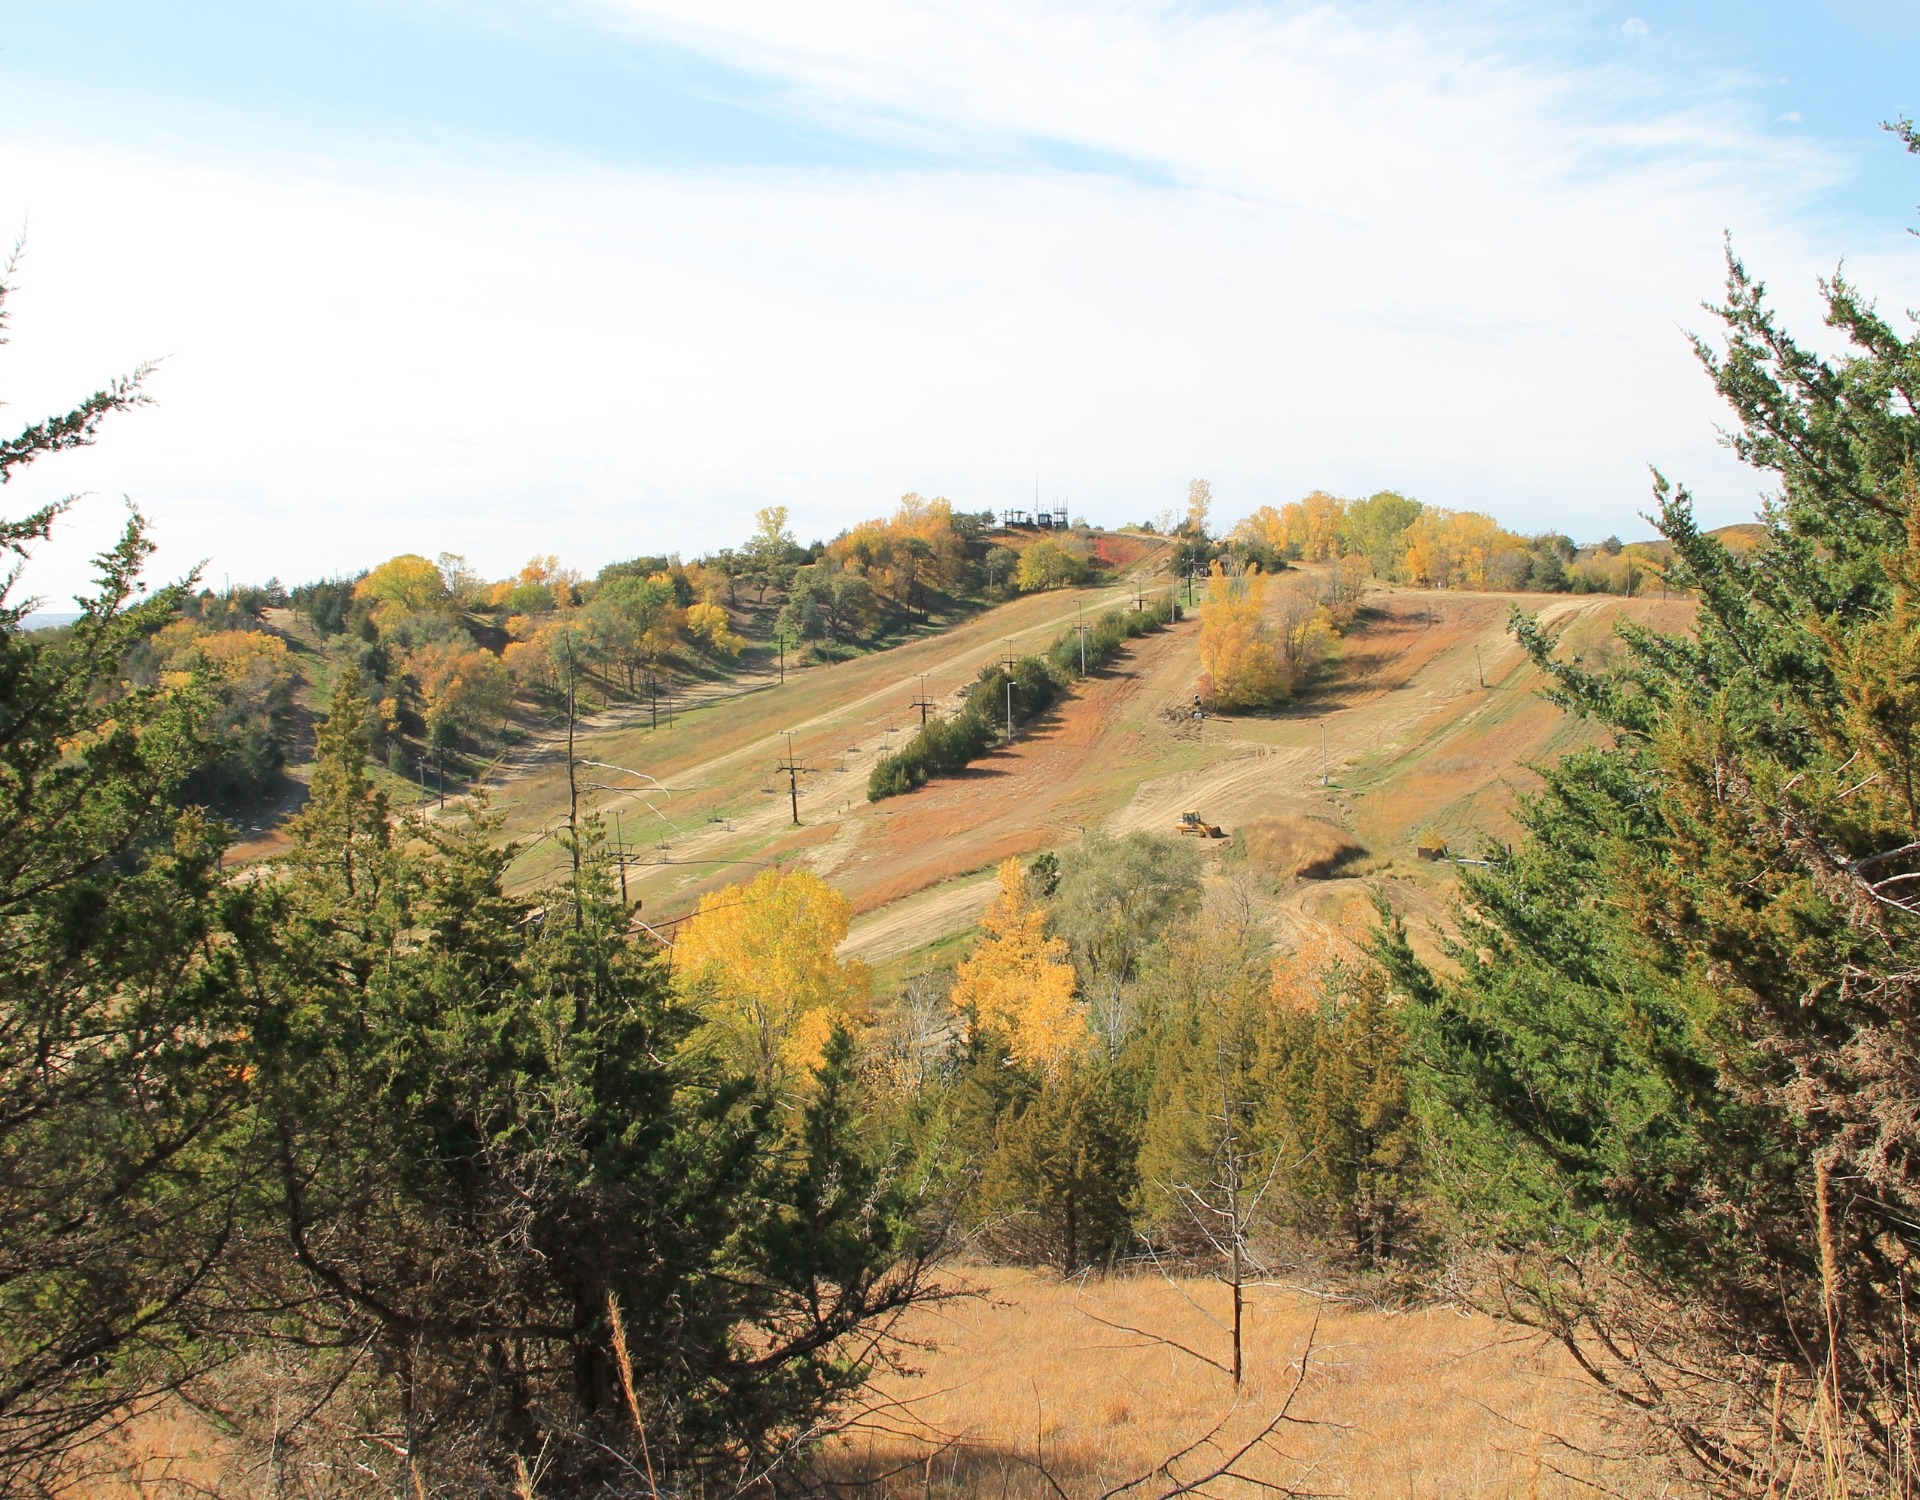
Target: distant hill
x=1399 y=746
x=1742 y=536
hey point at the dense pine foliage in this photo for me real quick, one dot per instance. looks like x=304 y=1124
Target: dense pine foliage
x=1675 y=1074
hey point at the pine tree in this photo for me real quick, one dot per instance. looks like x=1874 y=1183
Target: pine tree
x=122 y=1004
x=490 y=1138
x=1674 y=1080
x=1060 y=1171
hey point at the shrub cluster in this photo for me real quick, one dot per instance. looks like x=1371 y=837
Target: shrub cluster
x=1105 y=637
x=945 y=746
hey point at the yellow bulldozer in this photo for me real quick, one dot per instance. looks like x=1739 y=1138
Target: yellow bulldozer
x=1199 y=827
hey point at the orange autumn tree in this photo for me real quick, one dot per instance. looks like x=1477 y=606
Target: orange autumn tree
x=463 y=690
x=760 y=960
x=1018 y=983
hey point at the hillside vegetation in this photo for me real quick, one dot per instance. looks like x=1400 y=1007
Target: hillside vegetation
x=1336 y=937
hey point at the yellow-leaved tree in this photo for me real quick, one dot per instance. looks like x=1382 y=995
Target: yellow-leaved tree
x=1018 y=982
x=1457 y=549
x=1266 y=527
x=709 y=621
x=1312 y=526
x=1237 y=646
x=1253 y=656
x=760 y=958
x=403 y=585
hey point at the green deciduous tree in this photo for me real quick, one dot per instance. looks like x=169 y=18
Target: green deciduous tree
x=1114 y=899
x=1048 y=565
x=1376 y=528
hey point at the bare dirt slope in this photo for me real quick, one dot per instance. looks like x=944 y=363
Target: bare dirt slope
x=1412 y=740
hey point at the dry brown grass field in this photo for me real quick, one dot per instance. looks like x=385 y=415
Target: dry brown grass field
x=1037 y=1389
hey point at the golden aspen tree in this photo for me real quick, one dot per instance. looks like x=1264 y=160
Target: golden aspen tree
x=1426 y=562
x=1266 y=527
x=1472 y=541
x=403 y=585
x=1456 y=549
x=1018 y=982
x=1237 y=646
x=710 y=621
x=760 y=959
x=1312 y=526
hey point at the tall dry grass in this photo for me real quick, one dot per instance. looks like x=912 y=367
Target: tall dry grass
x=1040 y=1388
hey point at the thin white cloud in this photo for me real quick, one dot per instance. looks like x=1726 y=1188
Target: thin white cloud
x=1351 y=250
x=1634 y=26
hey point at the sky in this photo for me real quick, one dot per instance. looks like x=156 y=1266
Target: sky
x=601 y=278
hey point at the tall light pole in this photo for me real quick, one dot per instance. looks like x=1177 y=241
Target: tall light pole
x=1009 y=710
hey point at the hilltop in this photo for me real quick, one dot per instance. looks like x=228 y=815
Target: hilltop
x=1420 y=729
x=1414 y=745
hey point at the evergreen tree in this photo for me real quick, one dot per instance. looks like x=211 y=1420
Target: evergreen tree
x=489 y=1141
x=121 y=1005
x=1674 y=1080
x=1056 y=1183
x=1340 y=1120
